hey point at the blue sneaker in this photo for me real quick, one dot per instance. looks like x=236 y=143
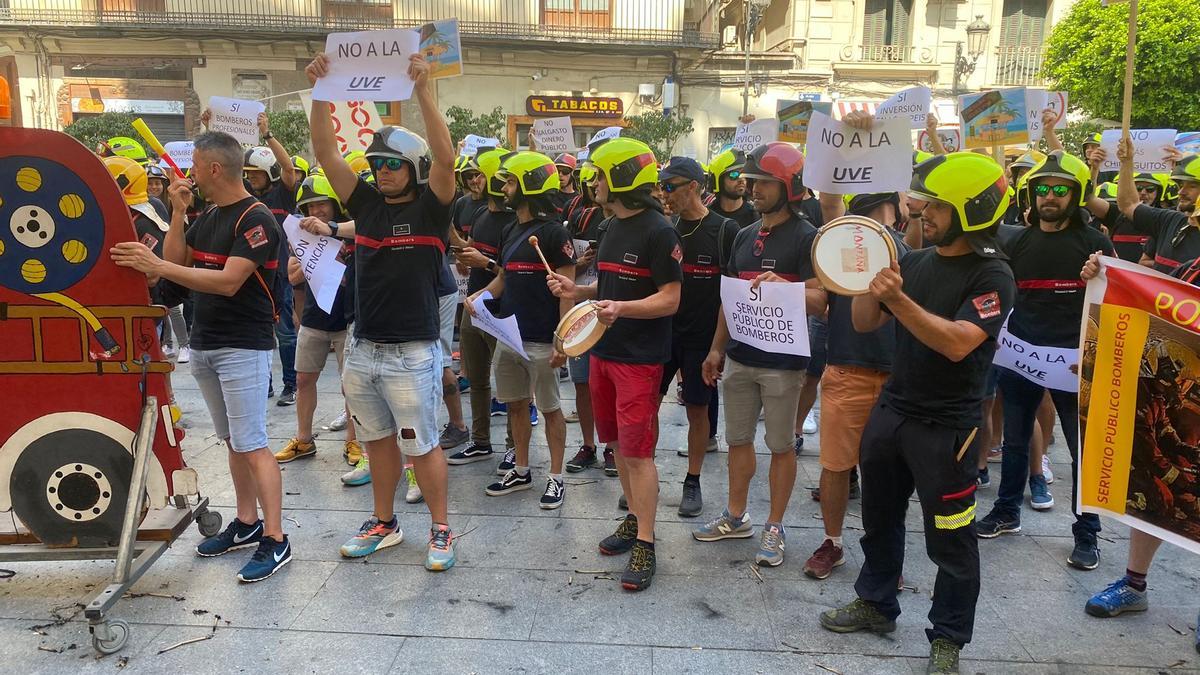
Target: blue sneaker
x=1118 y=598
x=372 y=536
x=441 y=549
x=464 y=385
x=499 y=408
x=533 y=418
x=235 y=536
x=267 y=560
x=1039 y=493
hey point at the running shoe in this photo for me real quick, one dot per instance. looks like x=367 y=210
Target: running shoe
x=622 y=540
x=270 y=557
x=533 y=416
x=610 y=463
x=552 y=498
x=169 y=352
x=452 y=436
x=508 y=462
x=296 y=449
x=821 y=563
x=583 y=459
x=473 y=453
x=352 y=452
x=984 y=480
x=441 y=555
x=510 y=483
x=692 y=502
x=287 y=396
x=639 y=571
x=1085 y=555
x=725 y=526
x=413 y=495
x=236 y=535
x=1117 y=599
x=464 y=385
x=995 y=455
x=372 y=536
x=571 y=417
x=943 y=657
x=993 y=525
x=498 y=408
x=856 y=616
x=184 y=355
x=1046 y=470
x=1039 y=495
x=771 y=546
x=340 y=422
x=359 y=475
x=810 y=423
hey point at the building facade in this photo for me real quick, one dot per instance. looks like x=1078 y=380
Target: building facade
x=163 y=59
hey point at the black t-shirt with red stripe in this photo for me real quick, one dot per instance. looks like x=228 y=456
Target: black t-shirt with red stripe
x=464 y=212
x=245 y=320
x=744 y=215
x=1128 y=243
x=486 y=230
x=525 y=291
x=1175 y=240
x=786 y=250
x=636 y=256
x=1046 y=267
x=700 y=298
x=400 y=250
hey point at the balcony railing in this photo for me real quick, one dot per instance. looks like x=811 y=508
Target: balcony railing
x=898 y=54
x=671 y=23
x=1019 y=66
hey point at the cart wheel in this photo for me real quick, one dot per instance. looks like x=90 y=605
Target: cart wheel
x=209 y=523
x=119 y=634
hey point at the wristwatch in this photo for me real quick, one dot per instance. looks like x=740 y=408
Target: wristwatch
x=268 y=136
x=333 y=227
x=491 y=266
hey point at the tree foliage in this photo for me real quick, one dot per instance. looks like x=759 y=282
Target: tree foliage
x=463 y=121
x=659 y=131
x=1086 y=58
x=290 y=127
x=94 y=129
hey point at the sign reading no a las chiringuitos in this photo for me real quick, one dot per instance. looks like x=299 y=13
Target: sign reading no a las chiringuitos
x=368 y=66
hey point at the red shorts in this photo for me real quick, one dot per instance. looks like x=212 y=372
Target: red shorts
x=625 y=404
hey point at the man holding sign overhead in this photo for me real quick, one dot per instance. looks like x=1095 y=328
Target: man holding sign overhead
x=393 y=367
x=949 y=302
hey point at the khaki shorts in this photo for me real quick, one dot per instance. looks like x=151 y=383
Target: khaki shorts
x=747 y=391
x=517 y=379
x=848 y=394
x=312 y=349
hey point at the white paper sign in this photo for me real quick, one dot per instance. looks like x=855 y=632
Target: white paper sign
x=461 y=280
x=472 y=144
x=235 y=117
x=368 y=65
x=181 y=153
x=505 y=330
x=605 y=134
x=911 y=104
x=1035 y=102
x=554 y=135
x=1047 y=366
x=747 y=137
x=951 y=139
x=844 y=160
x=771 y=318
x=318 y=258
x=1148 y=149
x=590 y=275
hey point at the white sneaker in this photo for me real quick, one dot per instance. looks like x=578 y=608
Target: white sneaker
x=168 y=352
x=339 y=423
x=1046 y=469
x=185 y=355
x=810 y=422
x=413 y=496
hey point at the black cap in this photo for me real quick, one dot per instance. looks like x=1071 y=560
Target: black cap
x=682 y=167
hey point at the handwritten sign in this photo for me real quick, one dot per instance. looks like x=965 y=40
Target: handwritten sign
x=505 y=330
x=554 y=134
x=181 y=153
x=368 y=65
x=771 y=317
x=996 y=117
x=235 y=117
x=1047 y=366
x=605 y=134
x=793 y=118
x=845 y=160
x=951 y=138
x=747 y=137
x=460 y=280
x=472 y=143
x=911 y=104
x=1149 y=149
x=318 y=258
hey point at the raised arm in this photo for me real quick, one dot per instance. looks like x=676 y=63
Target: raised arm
x=341 y=177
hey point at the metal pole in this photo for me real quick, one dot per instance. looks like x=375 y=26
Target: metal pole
x=137 y=488
x=746 y=85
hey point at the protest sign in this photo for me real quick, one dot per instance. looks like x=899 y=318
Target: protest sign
x=1149 y=149
x=1139 y=403
x=771 y=317
x=759 y=132
x=472 y=144
x=460 y=280
x=590 y=275
x=911 y=104
x=554 y=134
x=996 y=117
x=844 y=160
x=1188 y=142
x=368 y=65
x=442 y=48
x=1038 y=100
x=181 y=153
x=235 y=117
x=793 y=118
x=1046 y=366
x=318 y=258
x=505 y=330
x=951 y=138
x=605 y=134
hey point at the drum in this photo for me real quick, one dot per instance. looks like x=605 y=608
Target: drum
x=579 y=329
x=849 y=251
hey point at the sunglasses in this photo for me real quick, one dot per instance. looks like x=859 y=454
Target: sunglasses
x=1147 y=188
x=392 y=163
x=1058 y=190
x=565 y=170
x=734 y=175
x=671 y=187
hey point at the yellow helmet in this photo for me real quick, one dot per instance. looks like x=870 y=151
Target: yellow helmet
x=358 y=161
x=315 y=189
x=1107 y=191
x=301 y=165
x=1187 y=169
x=130 y=177
x=587 y=173
x=124 y=146
x=1060 y=164
x=534 y=172
x=487 y=162
x=728 y=161
x=1028 y=160
x=626 y=163
x=971 y=183
x=920 y=156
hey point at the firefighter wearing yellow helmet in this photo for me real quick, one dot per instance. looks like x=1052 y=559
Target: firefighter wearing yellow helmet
x=728 y=187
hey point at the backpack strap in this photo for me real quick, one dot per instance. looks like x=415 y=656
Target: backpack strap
x=258 y=275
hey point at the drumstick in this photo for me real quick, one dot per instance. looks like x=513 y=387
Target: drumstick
x=152 y=141
x=533 y=241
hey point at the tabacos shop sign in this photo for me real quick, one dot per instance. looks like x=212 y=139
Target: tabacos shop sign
x=577 y=106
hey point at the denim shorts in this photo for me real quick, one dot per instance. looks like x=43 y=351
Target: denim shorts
x=234 y=385
x=578 y=366
x=390 y=387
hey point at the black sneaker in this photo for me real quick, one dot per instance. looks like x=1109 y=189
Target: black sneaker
x=1085 y=555
x=622 y=540
x=508 y=463
x=692 y=503
x=943 y=657
x=622 y=503
x=639 y=571
x=511 y=482
x=552 y=498
x=583 y=459
x=235 y=536
x=473 y=453
x=993 y=525
x=286 y=397
x=610 y=463
x=856 y=616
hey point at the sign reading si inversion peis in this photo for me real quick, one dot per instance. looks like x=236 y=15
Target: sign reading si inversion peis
x=578 y=106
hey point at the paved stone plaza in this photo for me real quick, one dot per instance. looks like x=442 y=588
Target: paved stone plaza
x=525 y=597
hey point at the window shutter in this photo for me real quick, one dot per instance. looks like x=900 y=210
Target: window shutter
x=875 y=22
x=901 y=12
x=1024 y=23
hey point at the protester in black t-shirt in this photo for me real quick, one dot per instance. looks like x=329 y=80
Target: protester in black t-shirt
x=566 y=165
x=637 y=292
x=228 y=259
x=474 y=198
x=1047 y=313
x=394 y=364
x=728 y=188
x=948 y=302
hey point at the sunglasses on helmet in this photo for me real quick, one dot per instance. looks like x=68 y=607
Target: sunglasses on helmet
x=1058 y=190
x=392 y=163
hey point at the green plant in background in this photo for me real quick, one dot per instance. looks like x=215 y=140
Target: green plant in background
x=1085 y=56
x=463 y=121
x=659 y=131
x=1074 y=134
x=290 y=127
x=94 y=129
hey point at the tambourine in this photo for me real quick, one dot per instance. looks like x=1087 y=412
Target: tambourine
x=579 y=329
x=849 y=251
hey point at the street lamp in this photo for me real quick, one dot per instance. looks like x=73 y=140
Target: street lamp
x=977 y=35
x=753 y=14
